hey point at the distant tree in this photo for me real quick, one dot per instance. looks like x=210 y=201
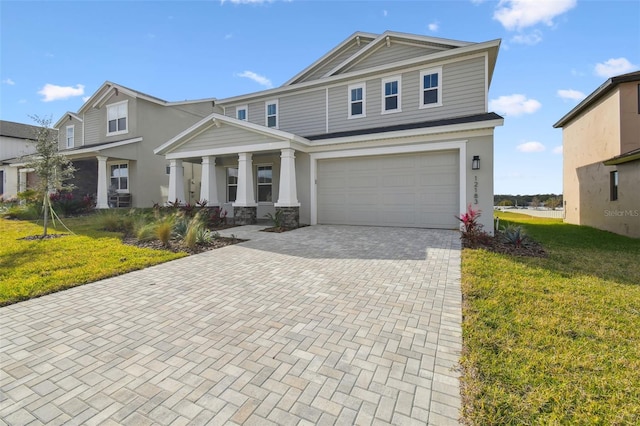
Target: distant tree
x=553 y=202
x=51 y=167
x=505 y=203
x=535 y=202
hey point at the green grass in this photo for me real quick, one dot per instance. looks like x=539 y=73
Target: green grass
x=30 y=268
x=553 y=340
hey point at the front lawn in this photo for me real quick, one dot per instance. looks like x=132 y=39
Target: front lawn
x=29 y=268
x=553 y=340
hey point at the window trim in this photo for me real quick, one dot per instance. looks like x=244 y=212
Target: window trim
x=71 y=127
x=228 y=185
x=613 y=185
x=266 y=114
x=350 y=88
x=246 y=112
x=438 y=103
x=258 y=184
x=384 y=82
x=126 y=116
x=120 y=163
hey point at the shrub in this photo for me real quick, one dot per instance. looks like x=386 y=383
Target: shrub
x=164 y=229
x=217 y=217
x=24 y=212
x=473 y=234
x=67 y=204
x=515 y=235
x=113 y=221
x=276 y=218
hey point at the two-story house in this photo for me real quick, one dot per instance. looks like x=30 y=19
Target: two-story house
x=16 y=141
x=111 y=139
x=385 y=129
x=601 y=157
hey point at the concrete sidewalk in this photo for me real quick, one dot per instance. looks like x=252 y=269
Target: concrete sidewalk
x=321 y=325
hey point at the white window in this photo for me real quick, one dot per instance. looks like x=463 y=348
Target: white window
x=117 y=118
x=391 y=89
x=70 y=136
x=265 y=180
x=272 y=114
x=242 y=113
x=119 y=177
x=431 y=88
x=357 y=99
x=232 y=184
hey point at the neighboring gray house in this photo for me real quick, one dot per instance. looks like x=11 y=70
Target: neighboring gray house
x=111 y=139
x=382 y=130
x=16 y=141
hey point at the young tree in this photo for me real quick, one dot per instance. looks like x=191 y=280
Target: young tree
x=51 y=168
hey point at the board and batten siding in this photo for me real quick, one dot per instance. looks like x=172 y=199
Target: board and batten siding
x=224 y=136
x=345 y=54
x=387 y=55
x=463 y=93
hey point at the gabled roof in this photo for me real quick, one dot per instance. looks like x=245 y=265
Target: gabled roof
x=355 y=38
x=215 y=120
x=12 y=129
x=596 y=95
x=373 y=42
x=67 y=115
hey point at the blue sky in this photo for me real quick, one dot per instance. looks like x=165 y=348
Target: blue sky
x=553 y=53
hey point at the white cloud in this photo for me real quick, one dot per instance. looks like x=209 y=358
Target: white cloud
x=385 y=13
x=557 y=150
x=532 y=146
x=613 y=67
x=260 y=79
x=228 y=36
x=85 y=98
x=514 y=105
x=51 y=92
x=531 y=39
x=9 y=82
x=570 y=94
x=434 y=26
x=519 y=14
x=576 y=73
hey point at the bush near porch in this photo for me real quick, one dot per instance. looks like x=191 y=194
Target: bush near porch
x=552 y=340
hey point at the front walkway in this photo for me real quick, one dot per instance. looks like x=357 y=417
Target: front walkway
x=321 y=325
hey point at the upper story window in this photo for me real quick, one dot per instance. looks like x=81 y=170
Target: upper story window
x=431 y=88
x=242 y=113
x=117 y=115
x=357 y=95
x=613 y=185
x=272 y=114
x=391 y=88
x=232 y=184
x=70 y=136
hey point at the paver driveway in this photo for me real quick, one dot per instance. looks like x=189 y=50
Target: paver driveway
x=322 y=325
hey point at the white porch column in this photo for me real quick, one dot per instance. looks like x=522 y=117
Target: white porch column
x=288 y=194
x=176 y=181
x=245 y=196
x=102 y=201
x=22 y=184
x=209 y=185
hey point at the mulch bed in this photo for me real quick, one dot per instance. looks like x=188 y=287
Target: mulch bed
x=498 y=245
x=176 y=246
x=43 y=237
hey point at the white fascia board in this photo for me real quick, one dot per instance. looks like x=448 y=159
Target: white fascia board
x=194 y=101
x=388 y=150
x=432 y=59
x=64 y=117
x=329 y=54
x=424 y=131
x=98 y=149
x=228 y=150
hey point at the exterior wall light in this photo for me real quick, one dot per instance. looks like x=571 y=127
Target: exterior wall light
x=475 y=163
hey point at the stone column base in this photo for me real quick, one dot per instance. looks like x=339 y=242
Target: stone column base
x=290 y=216
x=245 y=215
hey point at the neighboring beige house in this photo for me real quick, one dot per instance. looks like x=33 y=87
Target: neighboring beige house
x=16 y=141
x=601 y=149
x=382 y=130
x=111 y=141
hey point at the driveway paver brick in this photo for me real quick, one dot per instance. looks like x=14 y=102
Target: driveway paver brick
x=321 y=325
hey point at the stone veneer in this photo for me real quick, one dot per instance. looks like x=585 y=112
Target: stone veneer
x=245 y=215
x=290 y=216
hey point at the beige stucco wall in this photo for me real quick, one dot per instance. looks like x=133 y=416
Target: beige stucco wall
x=592 y=138
x=629 y=117
x=480 y=182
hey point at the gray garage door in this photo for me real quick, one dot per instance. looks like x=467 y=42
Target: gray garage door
x=410 y=190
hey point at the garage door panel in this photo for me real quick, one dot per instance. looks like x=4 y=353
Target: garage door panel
x=415 y=190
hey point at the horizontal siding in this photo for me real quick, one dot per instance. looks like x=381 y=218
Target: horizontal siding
x=303 y=114
x=62 y=133
x=462 y=94
x=337 y=60
x=94 y=128
x=222 y=137
x=95 y=122
x=387 y=55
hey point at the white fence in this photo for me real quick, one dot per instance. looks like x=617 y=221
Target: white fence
x=558 y=214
